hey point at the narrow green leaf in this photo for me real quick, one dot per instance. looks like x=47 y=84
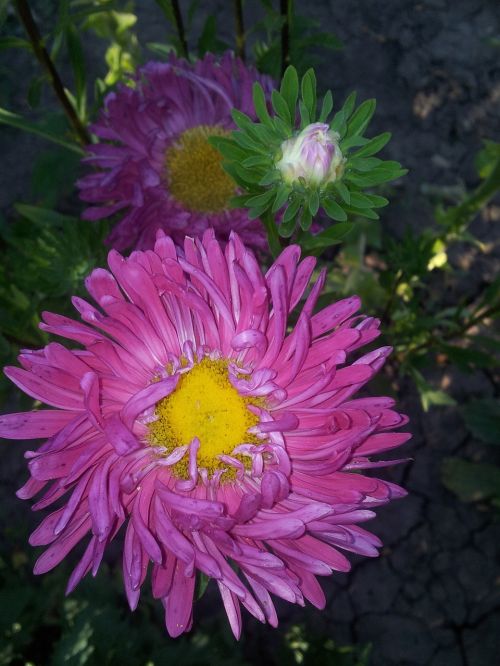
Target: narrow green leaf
x=256 y=160
x=332 y=236
x=333 y=209
x=360 y=200
x=305 y=117
x=353 y=142
x=282 y=194
x=361 y=212
x=228 y=148
x=343 y=191
x=482 y=418
x=373 y=146
x=77 y=60
x=281 y=107
x=272 y=176
x=290 y=89
x=326 y=107
x=43 y=216
x=471 y=481
x=377 y=201
x=12 y=119
x=11 y=42
x=292 y=209
x=364 y=163
x=241 y=119
x=313 y=202
x=260 y=105
x=260 y=200
x=308 y=91
x=361 y=117
x=306 y=219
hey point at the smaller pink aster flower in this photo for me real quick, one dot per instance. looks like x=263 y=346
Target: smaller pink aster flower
x=154 y=164
x=222 y=439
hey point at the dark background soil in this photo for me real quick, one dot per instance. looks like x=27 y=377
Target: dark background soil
x=433 y=598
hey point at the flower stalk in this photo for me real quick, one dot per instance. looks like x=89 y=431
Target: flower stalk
x=26 y=18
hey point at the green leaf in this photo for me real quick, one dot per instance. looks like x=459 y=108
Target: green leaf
x=241 y=119
x=305 y=118
x=44 y=216
x=305 y=219
x=333 y=209
x=260 y=200
x=364 y=164
x=353 y=142
x=326 y=107
x=227 y=148
x=12 y=119
x=291 y=210
x=290 y=89
x=78 y=64
x=344 y=192
x=428 y=395
x=281 y=107
x=260 y=105
x=377 y=201
x=11 y=42
x=308 y=92
x=282 y=194
x=332 y=236
x=373 y=146
x=471 y=481
x=208 y=41
x=482 y=418
x=339 y=123
x=360 y=200
x=313 y=202
x=361 y=117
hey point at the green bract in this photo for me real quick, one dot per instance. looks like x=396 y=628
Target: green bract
x=252 y=151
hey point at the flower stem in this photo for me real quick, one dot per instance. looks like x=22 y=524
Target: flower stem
x=240 y=29
x=179 y=24
x=272 y=233
x=286 y=16
x=43 y=57
x=460 y=216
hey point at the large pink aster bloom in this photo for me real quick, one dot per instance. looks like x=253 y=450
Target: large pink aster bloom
x=222 y=440
x=153 y=163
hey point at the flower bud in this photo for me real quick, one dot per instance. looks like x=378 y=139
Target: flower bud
x=313 y=155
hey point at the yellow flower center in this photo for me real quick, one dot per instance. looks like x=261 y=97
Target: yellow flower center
x=195 y=175
x=204 y=405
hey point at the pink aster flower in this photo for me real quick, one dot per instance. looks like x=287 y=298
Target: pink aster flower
x=221 y=439
x=153 y=163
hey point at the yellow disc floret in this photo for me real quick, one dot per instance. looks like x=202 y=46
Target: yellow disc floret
x=204 y=405
x=194 y=171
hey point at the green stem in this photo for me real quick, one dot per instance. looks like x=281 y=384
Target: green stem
x=240 y=29
x=460 y=216
x=434 y=340
x=286 y=16
x=272 y=233
x=179 y=24
x=43 y=57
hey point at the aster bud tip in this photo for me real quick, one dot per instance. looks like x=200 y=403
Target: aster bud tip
x=313 y=155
